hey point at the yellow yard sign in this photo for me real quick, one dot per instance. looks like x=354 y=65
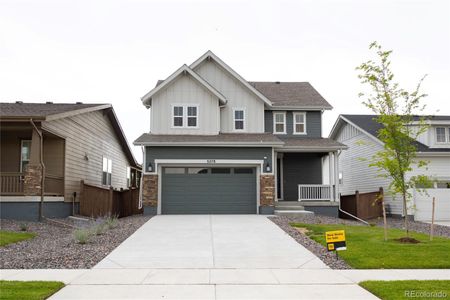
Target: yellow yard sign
x=335 y=240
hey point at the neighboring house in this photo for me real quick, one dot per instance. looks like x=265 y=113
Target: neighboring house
x=220 y=144
x=80 y=142
x=359 y=133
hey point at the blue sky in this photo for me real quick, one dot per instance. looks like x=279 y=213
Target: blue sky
x=114 y=51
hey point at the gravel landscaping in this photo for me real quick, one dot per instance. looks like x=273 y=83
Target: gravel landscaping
x=329 y=258
x=54 y=246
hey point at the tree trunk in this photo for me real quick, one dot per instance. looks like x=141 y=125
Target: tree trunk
x=405 y=211
x=384 y=214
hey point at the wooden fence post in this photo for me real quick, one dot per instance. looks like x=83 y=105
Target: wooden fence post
x=432 y=219
x=80 y=198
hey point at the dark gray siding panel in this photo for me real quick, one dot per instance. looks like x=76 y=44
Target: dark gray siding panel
x=313 y=123
x=245 y=153
x=209 y=193
x=300 y=168
x=29 y=211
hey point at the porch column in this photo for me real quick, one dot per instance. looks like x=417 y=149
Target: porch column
x=330 y=173
x=32 y=173
x=336 y=176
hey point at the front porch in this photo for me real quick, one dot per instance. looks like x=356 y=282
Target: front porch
x=20 y=170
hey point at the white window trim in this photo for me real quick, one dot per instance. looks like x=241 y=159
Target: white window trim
x=446 y=135
x=185 y=116
x=295 y=123
x=21 y=160
x=244 y=119
x=109 y=160
x=275 y=122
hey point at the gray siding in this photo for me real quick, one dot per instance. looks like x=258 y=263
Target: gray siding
x=153 y=153
x=89 y=134
x=300 y=168
x=29 y=211
x=313 y=123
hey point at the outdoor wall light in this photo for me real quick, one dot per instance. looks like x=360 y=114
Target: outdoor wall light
x=267 y=167
x=150 y=167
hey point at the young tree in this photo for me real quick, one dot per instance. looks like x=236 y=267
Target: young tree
x=395 y=109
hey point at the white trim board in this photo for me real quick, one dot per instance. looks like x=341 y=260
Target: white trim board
x=25 y=199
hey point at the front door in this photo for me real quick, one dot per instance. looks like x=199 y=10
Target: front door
x=279 y=179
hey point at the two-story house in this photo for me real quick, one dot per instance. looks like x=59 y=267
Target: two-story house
x=219 y=144
x=360 y=134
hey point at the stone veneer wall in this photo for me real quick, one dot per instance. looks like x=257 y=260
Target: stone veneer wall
x=32 y=180
x=267 y=190
x=150 y=190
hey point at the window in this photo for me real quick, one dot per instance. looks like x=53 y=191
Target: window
x=243 y=170
x=441 y=137
x=279 y=121
x=185 y=116
x=299 y=123
x=128 y=177
x=197 y=171
x=341 y=178
x=239 y=119
x=220 y=170
x=178 y=116
x=106 y=171
x=174 y=170
x=25 y=149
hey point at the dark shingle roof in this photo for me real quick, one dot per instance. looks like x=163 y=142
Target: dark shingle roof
x=369 y=124
x=39 y=110
x=223 y=138
x=286 y=94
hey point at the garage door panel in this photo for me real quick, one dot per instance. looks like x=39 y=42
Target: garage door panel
x=209 y=193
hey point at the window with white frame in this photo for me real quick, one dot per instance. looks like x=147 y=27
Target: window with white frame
x=129 y=177
x=239 y=119
x=106 y=171
x=299 y=123
x=442 y=135
x=25 y=149
x=185 y=116
x=279 y=122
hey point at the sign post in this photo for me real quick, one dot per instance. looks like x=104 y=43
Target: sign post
x=335 y=240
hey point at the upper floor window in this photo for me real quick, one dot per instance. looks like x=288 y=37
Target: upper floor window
x=299 y=123
x=441 y=136
x=106 y=171
x=279 y=122
x=25 y=149
x=185 y=116
x=239 y=119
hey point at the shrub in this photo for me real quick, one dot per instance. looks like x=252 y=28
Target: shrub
x=23 y=227
x=112 y=222
x=99 y=228
x=82 y=235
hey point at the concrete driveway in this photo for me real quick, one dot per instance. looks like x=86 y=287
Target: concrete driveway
x=210 y=241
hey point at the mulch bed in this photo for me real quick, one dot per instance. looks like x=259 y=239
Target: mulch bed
x=54 y=247
x=329 y=258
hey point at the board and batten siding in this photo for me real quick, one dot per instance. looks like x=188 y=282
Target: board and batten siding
x=313 y=123
x=238 y=96
x=92 y=135
x=184 y=90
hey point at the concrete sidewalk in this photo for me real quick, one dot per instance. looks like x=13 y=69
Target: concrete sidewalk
x=218 y=283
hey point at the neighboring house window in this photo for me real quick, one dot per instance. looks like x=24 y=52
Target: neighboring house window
x=279 y=122
x=185 y=116
x=106 y=171
x=341 y=178
x=178 y=116
x=128 y=176
x=239 y=119
x=299 y=123
x=25 y=149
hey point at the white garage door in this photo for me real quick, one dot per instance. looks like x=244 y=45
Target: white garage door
x=423 y=204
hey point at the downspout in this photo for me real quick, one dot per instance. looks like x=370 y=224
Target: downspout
x=41 y=159
x=140 y=180
x=340 y=209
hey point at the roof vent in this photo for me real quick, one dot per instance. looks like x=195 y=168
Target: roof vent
x=49 y=102
x=19 y=102
x=78 y=102
x=277 y=82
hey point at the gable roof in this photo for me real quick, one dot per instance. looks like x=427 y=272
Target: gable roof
x=292 y=94
x=368 y=125
x=146 y=100
x=23 y=112
x=210 y=55
x=44 y=111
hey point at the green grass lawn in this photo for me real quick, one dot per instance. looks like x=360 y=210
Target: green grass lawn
x=409 y=289
x=9 y=237
x=30 y=290
x=366 y=248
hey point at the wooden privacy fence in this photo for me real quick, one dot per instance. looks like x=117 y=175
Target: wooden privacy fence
x=365 y=206
x=96 y=201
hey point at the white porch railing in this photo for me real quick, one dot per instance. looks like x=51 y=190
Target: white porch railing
x=314 y=192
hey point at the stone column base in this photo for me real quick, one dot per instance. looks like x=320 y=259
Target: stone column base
x=32 y=180
x=266 y=194
x=150 y=191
